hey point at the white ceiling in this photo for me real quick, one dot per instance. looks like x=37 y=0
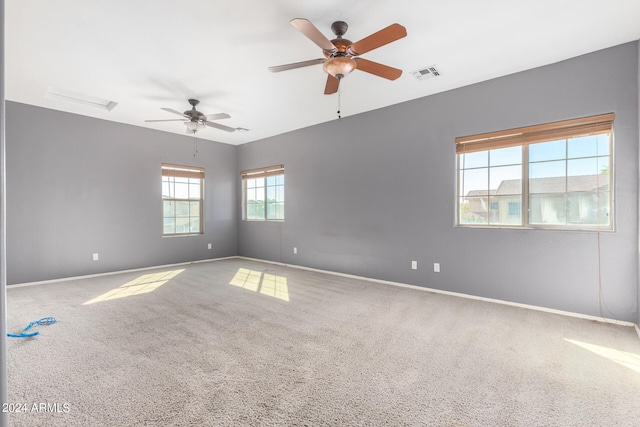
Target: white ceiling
x=148 y=54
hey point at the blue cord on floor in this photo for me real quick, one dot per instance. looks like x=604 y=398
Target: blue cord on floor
x=25 y=334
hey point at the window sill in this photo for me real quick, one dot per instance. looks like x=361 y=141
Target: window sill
x=535 y=227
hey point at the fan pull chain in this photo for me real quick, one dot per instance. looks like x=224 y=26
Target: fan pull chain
x=339 y=116
x=195 y=144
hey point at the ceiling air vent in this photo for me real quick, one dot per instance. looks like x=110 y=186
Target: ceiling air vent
x=425 y=73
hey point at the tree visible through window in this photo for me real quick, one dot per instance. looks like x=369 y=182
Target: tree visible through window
x=182 y=197
x=263 y=194
x=557 y=175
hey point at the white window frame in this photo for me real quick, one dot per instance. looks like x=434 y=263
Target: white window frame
x=264 y=173
x=525 y=138
x=170 y=173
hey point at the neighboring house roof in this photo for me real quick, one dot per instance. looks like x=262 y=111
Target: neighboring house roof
x=548 y=185
x=480 y=193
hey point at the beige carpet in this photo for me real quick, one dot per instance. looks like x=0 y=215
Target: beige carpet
x=237 y=342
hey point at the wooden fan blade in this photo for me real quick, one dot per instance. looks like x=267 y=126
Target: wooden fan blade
x=387 y=35
x=169 y=120
x=218 y=116
x=332 y=85
x=221 y=127
x=308 y=29
x=171 y=110
x=294 y=65
x=377 y=69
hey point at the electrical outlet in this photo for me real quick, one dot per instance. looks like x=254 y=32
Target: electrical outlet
x=209 y=246
x=414 y=265
x=436 y=267
x=95 y=257
x=295 y=250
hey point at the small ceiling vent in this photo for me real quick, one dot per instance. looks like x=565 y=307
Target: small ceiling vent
x=426 y=73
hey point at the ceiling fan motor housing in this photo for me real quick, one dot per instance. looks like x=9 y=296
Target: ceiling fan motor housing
x=339 y=28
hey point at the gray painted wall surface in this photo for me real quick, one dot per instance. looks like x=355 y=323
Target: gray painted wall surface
x=368 y=194
x=4 y=393
x=78 y=185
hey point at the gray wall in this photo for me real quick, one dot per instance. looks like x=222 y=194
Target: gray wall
x=78 y=185
x=368 y=194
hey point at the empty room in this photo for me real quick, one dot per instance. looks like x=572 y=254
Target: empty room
x=305 y=213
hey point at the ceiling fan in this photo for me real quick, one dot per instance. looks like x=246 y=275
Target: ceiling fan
x=342 y=56
x=195 y=120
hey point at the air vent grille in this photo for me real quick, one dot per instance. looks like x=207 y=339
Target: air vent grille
x=426 y=73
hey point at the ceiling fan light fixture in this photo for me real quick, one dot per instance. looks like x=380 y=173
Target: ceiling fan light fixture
x=339 y=66
x=194 y=126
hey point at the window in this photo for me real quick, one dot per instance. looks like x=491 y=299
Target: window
x=182 y=195
x=263 y=194
x=556 y=175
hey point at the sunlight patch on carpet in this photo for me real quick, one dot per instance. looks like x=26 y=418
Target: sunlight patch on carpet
x=267 y=284
x=142 y=285
x=629 y=360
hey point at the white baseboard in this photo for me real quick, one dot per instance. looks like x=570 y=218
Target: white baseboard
x=110 y=273
x=352 y=276
x=457 y=294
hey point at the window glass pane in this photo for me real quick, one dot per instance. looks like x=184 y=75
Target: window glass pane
x=603 y=144
x=584 y=146
x=255 y=210
x=194 y=209
x=275 y=210
x=475 y=180
x=587 y=183
x=181 y=190
x=547 y=177
x=505 y=210
x=271 y=194
x=251 y=195
x=280 y=193
x=251 y=210
x=603 y=165
x=182 y=209
x=588 y=166
x=553 y=150
x=582 y=207
x=478 y=159
x=280 y=179
x=547 y=209
x=271 y=211
x=194 y=225
x=604 y=208
x=466 y=215
x=182 y=225
x=474 y=209
x=169 y=225
x=167 y=190
x=505 y=156
x=194 y=191
x=271 y=180
x=168 y=208
x=506 y=179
